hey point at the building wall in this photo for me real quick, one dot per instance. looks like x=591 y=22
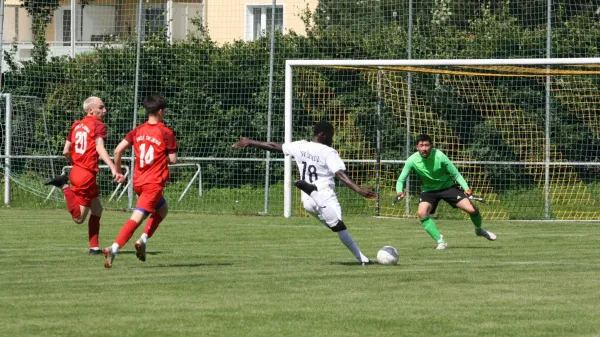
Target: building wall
x=226 y=19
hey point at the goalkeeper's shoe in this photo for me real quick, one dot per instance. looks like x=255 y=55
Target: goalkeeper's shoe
x=58 y=181
x=109 y=256
x=442 y=245
x=488 y=235
x=140 y=250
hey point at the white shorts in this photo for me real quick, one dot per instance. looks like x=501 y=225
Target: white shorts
x=331 y=202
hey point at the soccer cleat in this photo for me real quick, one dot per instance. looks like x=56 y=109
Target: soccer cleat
x=95 y=251
x=442 y=245
x=58 y=181
x=140 y=250
x=367 y=263
x=305 y=187
x=488 y=235
x=109 y=256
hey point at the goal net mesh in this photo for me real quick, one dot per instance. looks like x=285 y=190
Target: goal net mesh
x=525 y=138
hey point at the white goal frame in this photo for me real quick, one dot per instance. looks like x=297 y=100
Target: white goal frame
x=290 y=64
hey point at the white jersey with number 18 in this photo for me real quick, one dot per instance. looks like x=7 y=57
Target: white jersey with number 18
x=317 y=163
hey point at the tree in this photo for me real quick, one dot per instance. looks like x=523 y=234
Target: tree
x=41 y=12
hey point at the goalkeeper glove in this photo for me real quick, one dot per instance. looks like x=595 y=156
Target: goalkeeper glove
x=399 y=197
x=472 y=196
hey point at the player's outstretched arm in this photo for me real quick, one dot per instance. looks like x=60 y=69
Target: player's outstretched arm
x=118 y=153
x=365 y=192
x=106 y=159
x=268 y=146
x=67 y=150
x=172 y=158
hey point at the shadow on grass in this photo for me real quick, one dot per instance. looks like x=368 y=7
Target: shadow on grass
x=192 y=265
x=154 y=252
x=354 y=264
x=462 y=247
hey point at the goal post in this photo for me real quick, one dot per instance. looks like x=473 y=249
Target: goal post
x=517 y=117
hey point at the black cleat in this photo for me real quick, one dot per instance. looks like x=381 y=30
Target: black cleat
x=305 y=187
x=95 y=251
x=58 y=181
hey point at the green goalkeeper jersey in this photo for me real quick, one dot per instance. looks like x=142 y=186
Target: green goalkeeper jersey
x=436 y=172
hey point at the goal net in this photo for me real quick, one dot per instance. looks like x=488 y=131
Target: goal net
x=525 y=134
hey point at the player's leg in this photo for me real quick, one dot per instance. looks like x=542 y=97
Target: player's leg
x=94 y=226
x=330 y=213
x=124 y=235
x=426 y=207
x=142 y=209
x=467 y=206
x=160 y=207
x=151 y=226
x=62 y=182
x=84 y=189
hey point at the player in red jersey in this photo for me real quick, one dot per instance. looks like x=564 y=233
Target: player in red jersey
x=155 y=147
x=83 y=146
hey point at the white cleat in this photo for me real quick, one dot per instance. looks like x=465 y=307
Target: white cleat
x=442 y=245
x=488 y=235
x=140 y=250
x=109 y=256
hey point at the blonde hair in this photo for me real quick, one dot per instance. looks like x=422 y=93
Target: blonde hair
x=89 y=102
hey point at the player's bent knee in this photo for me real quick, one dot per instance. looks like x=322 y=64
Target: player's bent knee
x=422 y=214
x=340 y=226
x=79 y=220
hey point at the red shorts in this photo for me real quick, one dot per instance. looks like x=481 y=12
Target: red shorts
x=83 y=185
x=149 y=195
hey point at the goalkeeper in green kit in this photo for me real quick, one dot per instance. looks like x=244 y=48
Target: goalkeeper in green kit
x=440 y=180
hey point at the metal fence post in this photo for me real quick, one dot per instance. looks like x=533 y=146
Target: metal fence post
x=7 y=144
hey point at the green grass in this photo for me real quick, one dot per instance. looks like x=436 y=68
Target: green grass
x=269 y=276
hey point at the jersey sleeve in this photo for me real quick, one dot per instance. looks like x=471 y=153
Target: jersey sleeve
x=68 y=139
x=130 y=136
x=170 y=142
x=404 y=174
x=100 y=131
x=334 y=162
x=453 y=171
x=290 y=149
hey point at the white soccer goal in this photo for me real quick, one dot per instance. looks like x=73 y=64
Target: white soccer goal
x=525 y=133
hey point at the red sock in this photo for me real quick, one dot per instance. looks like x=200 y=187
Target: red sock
x=72 y=204
x=94 y=230
x=126 y=232
x=152 y=224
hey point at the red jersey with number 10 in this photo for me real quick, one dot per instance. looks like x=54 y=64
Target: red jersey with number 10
x=83 y=135
x=152 y=144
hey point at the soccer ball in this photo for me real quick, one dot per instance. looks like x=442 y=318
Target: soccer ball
x=387 y=255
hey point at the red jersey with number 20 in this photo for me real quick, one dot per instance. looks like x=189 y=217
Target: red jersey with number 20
x=152 y=144
x=83 y=135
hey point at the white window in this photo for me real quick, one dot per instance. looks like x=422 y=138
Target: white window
x=183 y=13
x=259 y=20
x=155 y=18
x=98 y=22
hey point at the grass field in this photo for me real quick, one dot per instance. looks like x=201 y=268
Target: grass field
x=270 y=276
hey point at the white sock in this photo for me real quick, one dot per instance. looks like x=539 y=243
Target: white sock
x=352 y=246
x=115 y=248
x=144 y=238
